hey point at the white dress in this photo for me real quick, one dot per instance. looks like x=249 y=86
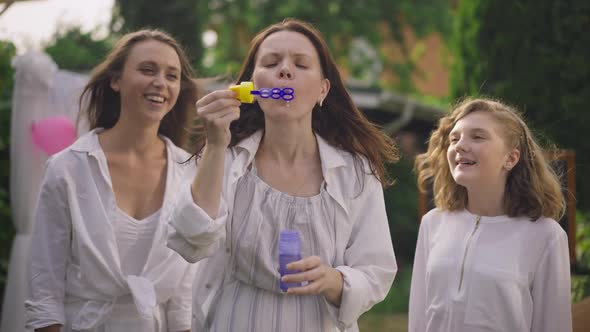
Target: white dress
x=237 y=286
x=251 y=299
x=502 y=274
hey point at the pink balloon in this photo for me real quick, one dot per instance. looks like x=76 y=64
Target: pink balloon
x=53 y=134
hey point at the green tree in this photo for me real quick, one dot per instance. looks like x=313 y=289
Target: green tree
x=77 y=51
x=7 y=52
x=580 y=275
x=236 y=21
x=183 y=19
x=533 y=54
x=402 y=211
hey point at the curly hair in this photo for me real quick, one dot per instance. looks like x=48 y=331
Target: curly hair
x=338 y=120
x=104 y=104
x=532 y=186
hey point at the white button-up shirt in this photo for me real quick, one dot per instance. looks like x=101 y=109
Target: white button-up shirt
x=74 y=254
x=492 y=274
x=364 y=252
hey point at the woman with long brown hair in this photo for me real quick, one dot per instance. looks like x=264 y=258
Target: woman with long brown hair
x=313 y=166
x=99 y=260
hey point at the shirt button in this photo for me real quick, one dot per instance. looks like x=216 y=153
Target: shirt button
x=227 y=250
x=208 y=286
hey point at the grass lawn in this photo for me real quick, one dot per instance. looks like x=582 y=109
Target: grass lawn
x=380 y=322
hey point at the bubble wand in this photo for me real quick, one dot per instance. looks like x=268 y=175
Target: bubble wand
x=246 y=92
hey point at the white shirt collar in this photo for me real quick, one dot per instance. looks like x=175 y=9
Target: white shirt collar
x=331 y=158
x=89 y=142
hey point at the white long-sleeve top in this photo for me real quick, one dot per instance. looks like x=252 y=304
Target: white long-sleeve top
x=363 y=251
x=498 y=274
x=76 y=278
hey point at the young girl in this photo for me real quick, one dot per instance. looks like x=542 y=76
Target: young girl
x=491 y=256
x=314 y=165
x=99 y=260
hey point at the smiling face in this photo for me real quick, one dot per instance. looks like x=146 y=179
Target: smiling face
x=289 y=59
x=477 y=154
x=149 y=83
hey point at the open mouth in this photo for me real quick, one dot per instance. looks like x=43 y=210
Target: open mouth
x=155 y=98
x=464 y=162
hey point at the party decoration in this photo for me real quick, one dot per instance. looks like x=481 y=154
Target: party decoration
x=53 y=134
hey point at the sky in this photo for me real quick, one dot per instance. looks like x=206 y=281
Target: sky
x=31 y=24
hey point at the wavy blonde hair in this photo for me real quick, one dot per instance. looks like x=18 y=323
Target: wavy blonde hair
x=532 y=187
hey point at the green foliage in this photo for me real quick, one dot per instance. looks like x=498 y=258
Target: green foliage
x=398 y=298
x=339 y=20
x=401 y=203
x=536 y=59
x=237 y=21
x=77 y=51
x=581 y=282
x=7 y=52
x=580 y=287
x=183 y=19
x=583 y=239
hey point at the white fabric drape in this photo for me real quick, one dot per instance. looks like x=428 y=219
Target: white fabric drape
x=41 y=91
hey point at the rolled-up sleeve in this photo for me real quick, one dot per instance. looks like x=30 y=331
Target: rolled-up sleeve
x=179 y=306
x=192 y=232
x=50 y=249
x=369 y=261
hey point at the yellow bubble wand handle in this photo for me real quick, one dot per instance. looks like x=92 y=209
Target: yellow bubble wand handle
x=244 y=91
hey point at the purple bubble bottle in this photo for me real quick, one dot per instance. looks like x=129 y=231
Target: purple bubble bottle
x=289 y=251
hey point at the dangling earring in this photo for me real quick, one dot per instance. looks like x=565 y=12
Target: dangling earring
x=288 y=103
x=319 y=104
x=317 y=107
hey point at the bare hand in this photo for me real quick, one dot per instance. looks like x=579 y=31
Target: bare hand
x=321 y=278
x=218 y=110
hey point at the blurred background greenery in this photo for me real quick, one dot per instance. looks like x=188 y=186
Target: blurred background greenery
x=532 y=53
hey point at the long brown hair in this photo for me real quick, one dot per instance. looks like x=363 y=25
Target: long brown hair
x=104 y=104
x=532 y=187
x=338 y=120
